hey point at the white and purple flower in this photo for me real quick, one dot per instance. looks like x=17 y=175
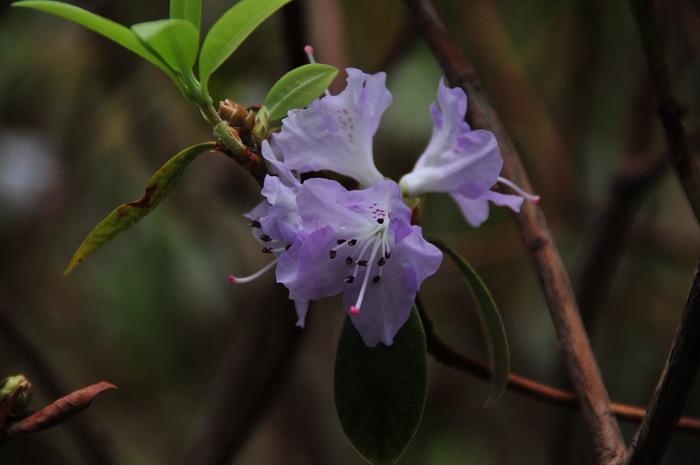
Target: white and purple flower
x=329 y=240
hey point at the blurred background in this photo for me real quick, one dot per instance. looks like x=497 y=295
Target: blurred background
x=209 y=373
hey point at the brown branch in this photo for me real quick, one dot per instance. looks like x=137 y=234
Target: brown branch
x=447 y=356
x=672 y=391
x=578 y=355
x=671 y=110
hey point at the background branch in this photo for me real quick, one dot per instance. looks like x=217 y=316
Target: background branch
x=672 y=391
x=671 y=110
x=578 y=355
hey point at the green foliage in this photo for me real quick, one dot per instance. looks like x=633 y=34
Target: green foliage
x=298 y=88
x=230 y=31
x=380 y=391
x=491 y=322
x=174 y=40
x=128 y=214
x=191 y=10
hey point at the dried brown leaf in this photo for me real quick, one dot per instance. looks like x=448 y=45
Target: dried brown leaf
x=59 y=411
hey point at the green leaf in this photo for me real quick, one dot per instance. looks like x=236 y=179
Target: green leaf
x=380 y=391
x=114 y=31
x=174 y=40
x=191 y=10
x=230 y=31
x=298 y=88
x=491 y=322
x=128 y=214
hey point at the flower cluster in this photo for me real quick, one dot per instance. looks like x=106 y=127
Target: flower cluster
x=329 y=240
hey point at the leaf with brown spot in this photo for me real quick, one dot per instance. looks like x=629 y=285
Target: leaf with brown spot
x=128 y=214
x=59 y=411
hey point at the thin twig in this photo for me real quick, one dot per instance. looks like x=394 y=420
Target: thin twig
x=447 y=356
x=671 y=110
x=578 y=355
x=672 y=391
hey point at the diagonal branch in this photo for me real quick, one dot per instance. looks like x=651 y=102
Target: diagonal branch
x=578 y=355
x=672 y=391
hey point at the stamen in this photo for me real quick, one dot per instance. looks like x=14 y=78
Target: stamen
x=352 y=242
x=376 y=279
x=234 y=280
x=381 y=262
x=362 y=262
x=348 y=261
x=255 y=224
x=265 y=238
x=332 y=253
x=340 y=241
x=350 y=279
x=309 y=50
x=522 y=193
x=356 y=308
x=380 y=220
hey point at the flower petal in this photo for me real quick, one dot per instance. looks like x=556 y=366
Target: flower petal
x=307 y=270
x=335 y=133
x=476 y=211
x=457 y=159
x=387 y=304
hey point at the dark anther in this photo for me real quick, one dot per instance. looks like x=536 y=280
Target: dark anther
x=331 y=253
x=340 y=241
x=265 y=238
x=362 y=262
x=266 y=250
x=381 y=262
x=255 y=224
x=348 y=261
x=349 y=279
x=352 y=242
x=376 y=279
x=387 y=255
x=380 y=220
x=286 y=247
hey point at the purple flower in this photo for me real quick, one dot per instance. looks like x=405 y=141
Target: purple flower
x=360 y=243
x=275 y=221
x=335 y=132
x=460 y=161
x=328 y=240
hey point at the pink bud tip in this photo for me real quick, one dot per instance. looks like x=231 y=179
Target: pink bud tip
x=231 y=279
x=538 y=200
x=308 y=49
x=354 y=310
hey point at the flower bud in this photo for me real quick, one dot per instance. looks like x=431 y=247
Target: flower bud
x=17 y=390
x=237 y=115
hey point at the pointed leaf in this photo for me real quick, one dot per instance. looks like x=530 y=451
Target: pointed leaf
x=230 y=31
x=174 y=40
x=298 y=88
x=491 y=322
x=380 y=391
x=114 y=31
x=191 y=10
x=128 y=214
